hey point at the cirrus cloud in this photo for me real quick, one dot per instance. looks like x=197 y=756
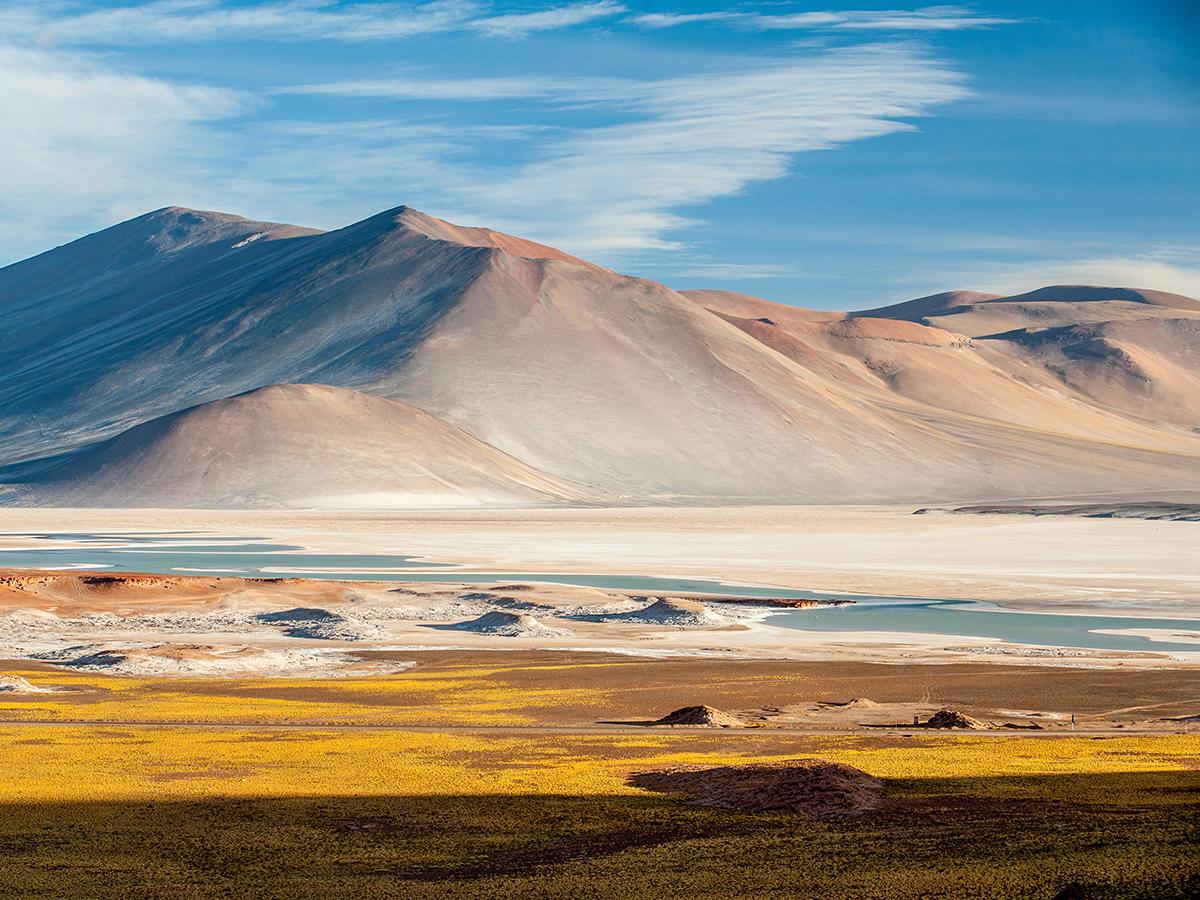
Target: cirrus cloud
x=928 y=18
x=103 y=141
x=83 y=142
x=284 y=20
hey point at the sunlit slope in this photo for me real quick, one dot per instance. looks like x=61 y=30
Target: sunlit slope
x=295 y=446
x=1014 y=390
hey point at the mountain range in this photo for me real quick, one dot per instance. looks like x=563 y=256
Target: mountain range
x=199 y=359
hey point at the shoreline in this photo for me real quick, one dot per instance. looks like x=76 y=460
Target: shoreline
x=196 y=626
x=1105 y=566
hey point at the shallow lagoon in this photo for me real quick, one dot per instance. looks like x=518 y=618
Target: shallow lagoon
x=195 y=553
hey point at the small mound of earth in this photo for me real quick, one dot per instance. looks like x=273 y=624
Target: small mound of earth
x=298 y=616
x=509 y=624
x=15 y=684
x=314 y=623
x=671 y=611
x=703 y=716
x=816 y=788
x=952 y=718
x=500 y=601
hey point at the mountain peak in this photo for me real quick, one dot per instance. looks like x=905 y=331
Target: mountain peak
x=159 y=231
x=413 y=221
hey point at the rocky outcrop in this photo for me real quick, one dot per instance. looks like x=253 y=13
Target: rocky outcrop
x=701 y=716
x=951 y=718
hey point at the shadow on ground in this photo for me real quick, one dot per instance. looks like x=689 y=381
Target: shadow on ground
x=1027 y=837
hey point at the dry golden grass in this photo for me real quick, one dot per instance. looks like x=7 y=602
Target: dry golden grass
x=474 y=696
x=69 y=763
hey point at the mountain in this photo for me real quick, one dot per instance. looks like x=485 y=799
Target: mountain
x=501 y=371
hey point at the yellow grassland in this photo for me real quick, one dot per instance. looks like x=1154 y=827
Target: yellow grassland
x=103 y=809
x=51 y=763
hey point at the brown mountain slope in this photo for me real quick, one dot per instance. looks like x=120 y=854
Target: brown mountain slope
x=988 y=379
x=624 y=384
x=130 y=329
x=1146 y=368
x=1079 y=293
x=436 y=229
x=933 y=305
x=746 y=306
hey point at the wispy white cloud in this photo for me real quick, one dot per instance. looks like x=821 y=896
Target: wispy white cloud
x=928 y=18
x=498 y=88
x=202 y=20
x=285 y=20
x=516 y=24
x=670 y=20
x=727 y=271
x=83 y=142
x=104 y=140
x=684 y=141
x=696 y=138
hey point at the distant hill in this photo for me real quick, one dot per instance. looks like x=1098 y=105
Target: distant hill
x=296 y=445
x=1066 y=304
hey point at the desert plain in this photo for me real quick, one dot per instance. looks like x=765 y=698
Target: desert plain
x=196 y=734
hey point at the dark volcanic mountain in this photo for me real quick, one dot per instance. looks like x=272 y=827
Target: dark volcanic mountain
x=484 y=369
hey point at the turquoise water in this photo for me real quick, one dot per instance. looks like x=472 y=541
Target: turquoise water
x=251 y=556
x=973 y=618
x=184 y=551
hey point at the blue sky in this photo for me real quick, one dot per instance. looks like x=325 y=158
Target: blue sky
x=828 y=155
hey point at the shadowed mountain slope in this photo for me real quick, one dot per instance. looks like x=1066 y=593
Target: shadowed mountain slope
x=144 y=325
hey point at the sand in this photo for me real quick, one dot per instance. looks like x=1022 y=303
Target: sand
x=701 y=716
x=673 y=612
x=589 y=691
x=508 y=624
x=15 y=684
